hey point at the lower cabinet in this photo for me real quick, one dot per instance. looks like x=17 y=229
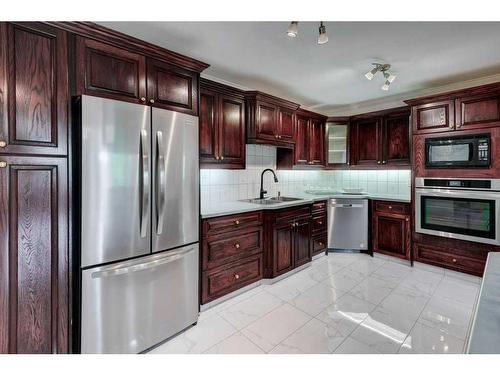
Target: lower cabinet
x=319 y=227
x=34 y=256
x=391 y=230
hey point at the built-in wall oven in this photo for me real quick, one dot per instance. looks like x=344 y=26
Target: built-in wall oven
x=469 y=151
x=465 y=209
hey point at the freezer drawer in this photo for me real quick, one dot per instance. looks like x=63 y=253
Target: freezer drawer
x=130 y=306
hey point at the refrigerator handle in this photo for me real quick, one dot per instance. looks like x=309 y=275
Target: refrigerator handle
x=144 y=189
x=160 y=182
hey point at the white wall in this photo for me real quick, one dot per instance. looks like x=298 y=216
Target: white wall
x=219 y=185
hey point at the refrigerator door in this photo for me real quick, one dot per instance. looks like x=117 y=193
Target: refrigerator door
x=175 y=179
x=130 y=306
x=115 y=180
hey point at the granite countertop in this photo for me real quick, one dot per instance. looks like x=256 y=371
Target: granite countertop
x=485 y=332
x=236 y=207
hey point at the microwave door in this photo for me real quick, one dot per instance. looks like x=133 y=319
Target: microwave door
x=446 y=154
x=175 y=209
x=115 y=180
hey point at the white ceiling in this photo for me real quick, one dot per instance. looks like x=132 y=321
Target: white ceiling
x=330 y=78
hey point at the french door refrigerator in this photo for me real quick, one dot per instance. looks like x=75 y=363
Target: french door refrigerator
x=139 y=202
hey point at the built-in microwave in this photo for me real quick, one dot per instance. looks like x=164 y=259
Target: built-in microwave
x=469 y=151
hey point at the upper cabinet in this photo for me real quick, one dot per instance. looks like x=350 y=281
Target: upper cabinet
x=119 y=73
x=309 y=139
x=337 y=142
x=473 y=108
x=222 y=126
x=270 y=120
x=33 y=89
x=380 y=138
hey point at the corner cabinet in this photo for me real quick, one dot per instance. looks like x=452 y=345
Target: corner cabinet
x=270 y=120
x=34 y=97
x=109 y=71
x=222 y=126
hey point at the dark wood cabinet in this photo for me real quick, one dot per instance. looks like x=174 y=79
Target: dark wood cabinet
x=283 y=247
x=433 y=117
x=391 y=230
x=33 y=89
x=109 y=71
x=34 y=266
x=270 y=120
x=380 y=139
x=222 y=126
x=309 y=140
x=319 y=222
x=302 y=245
x=171 y=87
x=477 y=111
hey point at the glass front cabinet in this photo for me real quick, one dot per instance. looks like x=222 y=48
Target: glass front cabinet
x=337 y=142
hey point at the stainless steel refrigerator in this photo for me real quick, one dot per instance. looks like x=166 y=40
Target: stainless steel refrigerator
x=139 y=220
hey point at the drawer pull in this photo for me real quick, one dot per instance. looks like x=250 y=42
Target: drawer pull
x=143 y=99
x=237 y=222
x=320 y=222
x=3 y=164
x=390 y=207
x=237 y=245
x=407 y=219
x=236 y=276
x=3 y=144
x=454 y=260
x=151 y=101
x=320 y=243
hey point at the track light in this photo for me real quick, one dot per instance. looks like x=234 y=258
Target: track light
x=293 y=29
x=322 y=38
x=384 y=69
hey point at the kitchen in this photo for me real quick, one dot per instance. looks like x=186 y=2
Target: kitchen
x=273 y=217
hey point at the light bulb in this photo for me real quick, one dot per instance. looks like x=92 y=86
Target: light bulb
x=369 y=76
x=391 y=77
x=322 y=38
x=293 y=29
x=386 y=86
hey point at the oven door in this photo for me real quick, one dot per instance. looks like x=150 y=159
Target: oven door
x=465 y=215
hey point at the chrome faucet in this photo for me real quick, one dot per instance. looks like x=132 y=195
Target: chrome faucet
x=262 y=191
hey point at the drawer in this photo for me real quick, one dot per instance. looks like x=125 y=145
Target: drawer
x=228 y=278
x=230 y=223
x=228 y=247
x=294 y=213
x=319 y=244
x=394 y=207
x=319 y=223
x=319 y=207
x=440 y=257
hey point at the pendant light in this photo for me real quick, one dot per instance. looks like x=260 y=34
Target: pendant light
x=293 y=29
x=322 y=38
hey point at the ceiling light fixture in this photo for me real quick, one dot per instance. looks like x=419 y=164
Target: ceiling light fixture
x=322 y=38
x=293 y=29
x=384 y=69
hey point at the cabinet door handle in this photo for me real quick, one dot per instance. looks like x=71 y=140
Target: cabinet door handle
x=451 y=125
x=407 y=219
x=320 y=222
x=385 y=161
x=143 y=99
x=390 y=207
x=236 y=276
x=454 y=260
x=151 y=101
x=237 y=245
x=378 y=162
x=222 y=158
x=3 y=164
x=3 y=144
x=237 y=222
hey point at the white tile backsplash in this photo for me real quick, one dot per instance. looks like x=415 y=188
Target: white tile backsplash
x=223 y=184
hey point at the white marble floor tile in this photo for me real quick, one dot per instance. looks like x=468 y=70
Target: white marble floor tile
x=393 y=272
x=448 y=316
x=426 y=340
x=406 y=302
x=393 y=319
x=315 y=337
x=235 y=344
x=351 y=346
x=379 y=336
x=199 y=338
x=236 y=299
x=366 y=266
x=345 y=279
x=271 y=329
x=422 y=281
x=344 y=259
x=458 y=290
x=322 y=270
x=249 y=310
x=315 y=299
x=289 y=288
x=373 y=289
x=347 y=307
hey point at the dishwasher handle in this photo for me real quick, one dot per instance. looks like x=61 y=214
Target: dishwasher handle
x=347 y=205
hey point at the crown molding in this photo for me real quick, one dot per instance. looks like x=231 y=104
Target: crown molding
x=398 y=100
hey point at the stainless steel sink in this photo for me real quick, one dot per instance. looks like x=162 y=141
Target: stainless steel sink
x=272 y=200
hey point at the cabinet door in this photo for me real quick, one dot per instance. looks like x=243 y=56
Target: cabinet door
x=433 y=117
x=317 y=143
x=366 y=139
x=171 y=87
x=337 y=144
x=302 y=141
x=283 y=248
x=286 y=126
x=302 y=244
x=478 y=111
x=396 y=140
x=267 y=122
x=34 y=257
x=108 y=71
x=33 y=89
x=209 y=135
x=232 y=132
x=391 y=235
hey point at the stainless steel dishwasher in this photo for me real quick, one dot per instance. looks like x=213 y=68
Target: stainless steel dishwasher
x=348 y=224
